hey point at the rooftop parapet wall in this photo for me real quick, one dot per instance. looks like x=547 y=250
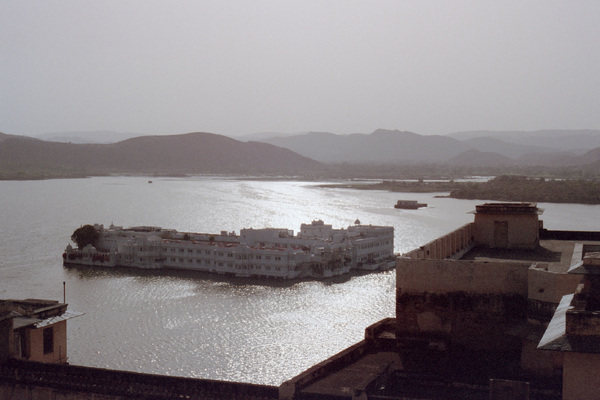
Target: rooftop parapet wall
x=546 y=289
x=548 y=286
x=289 y=388
x=476 y=277
x=507 y=208
x=546 y=234
x=452 y=245
x=22 y=379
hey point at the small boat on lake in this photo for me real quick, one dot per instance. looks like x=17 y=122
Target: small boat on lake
x=409 y=204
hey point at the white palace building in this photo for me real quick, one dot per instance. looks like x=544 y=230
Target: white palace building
x=317 y=251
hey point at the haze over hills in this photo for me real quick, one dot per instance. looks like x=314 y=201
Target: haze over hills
x=193 y=153
x=391 y=145
x=478 y=158
x=498 y=148
x=573 y=140
x=381 y=146
x=508 y=149
x=301 y=154
x=88 y=136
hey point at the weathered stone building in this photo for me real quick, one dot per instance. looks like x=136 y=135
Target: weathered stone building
x=471 y=309
x=574 y=332
x=34 y=330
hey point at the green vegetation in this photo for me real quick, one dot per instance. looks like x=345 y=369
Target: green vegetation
x=502 y=188
x=521 y=188
x=442 y=171
x=21 y=174
x=85 y=235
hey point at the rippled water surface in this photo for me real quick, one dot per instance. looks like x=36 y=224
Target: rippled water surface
x=200 y=326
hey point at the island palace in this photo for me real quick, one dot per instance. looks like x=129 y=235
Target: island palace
x=317 y=251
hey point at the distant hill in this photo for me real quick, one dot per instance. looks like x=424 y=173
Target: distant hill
x=382 y=146
x=192 y=153
x=591 y=157
x=508 y=149
x=381 y=153
x=477 y=158
x=573 y=140
x=259 y=136
x=556 y=159
x=87 y=136
x=554 y=148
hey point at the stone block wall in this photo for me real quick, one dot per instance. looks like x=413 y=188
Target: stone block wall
x=452 y=245
x=468 y=303
x=443 y=276
x=546 y=289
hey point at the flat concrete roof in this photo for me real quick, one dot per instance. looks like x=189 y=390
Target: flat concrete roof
x=558 y=254
x=356 y=375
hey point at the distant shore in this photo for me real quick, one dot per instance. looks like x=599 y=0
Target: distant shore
x=399 y=186
x=502 y=188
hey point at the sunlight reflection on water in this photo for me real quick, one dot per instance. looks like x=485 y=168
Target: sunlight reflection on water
x=196 y=325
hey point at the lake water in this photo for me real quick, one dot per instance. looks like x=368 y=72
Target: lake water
x=196 y=325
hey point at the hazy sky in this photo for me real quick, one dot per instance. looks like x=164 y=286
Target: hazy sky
x=239 y=67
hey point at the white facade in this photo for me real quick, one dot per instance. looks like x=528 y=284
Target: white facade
x=319 y=251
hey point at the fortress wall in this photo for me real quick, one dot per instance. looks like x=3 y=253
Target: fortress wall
x=451 y=245
x=288 y=389
x=38 y=381
x=443 y=276
x=580 y=375
x=468 y=303
x=548 y=286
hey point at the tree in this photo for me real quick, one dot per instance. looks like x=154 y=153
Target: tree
x=85 y=235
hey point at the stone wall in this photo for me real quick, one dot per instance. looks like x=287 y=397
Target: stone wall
x=580 y=376
x=288 y=389
x=38 y=381
x=474 y=321
x=59 y=343
x=452 y=245
x=546 y=289
x=468 y=303
x=521 y=231
x=443 y=276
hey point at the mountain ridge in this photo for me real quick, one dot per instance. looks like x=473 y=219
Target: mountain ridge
x=404 y=147
x=191 y=153
x=381 y=146
x=304 y=154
